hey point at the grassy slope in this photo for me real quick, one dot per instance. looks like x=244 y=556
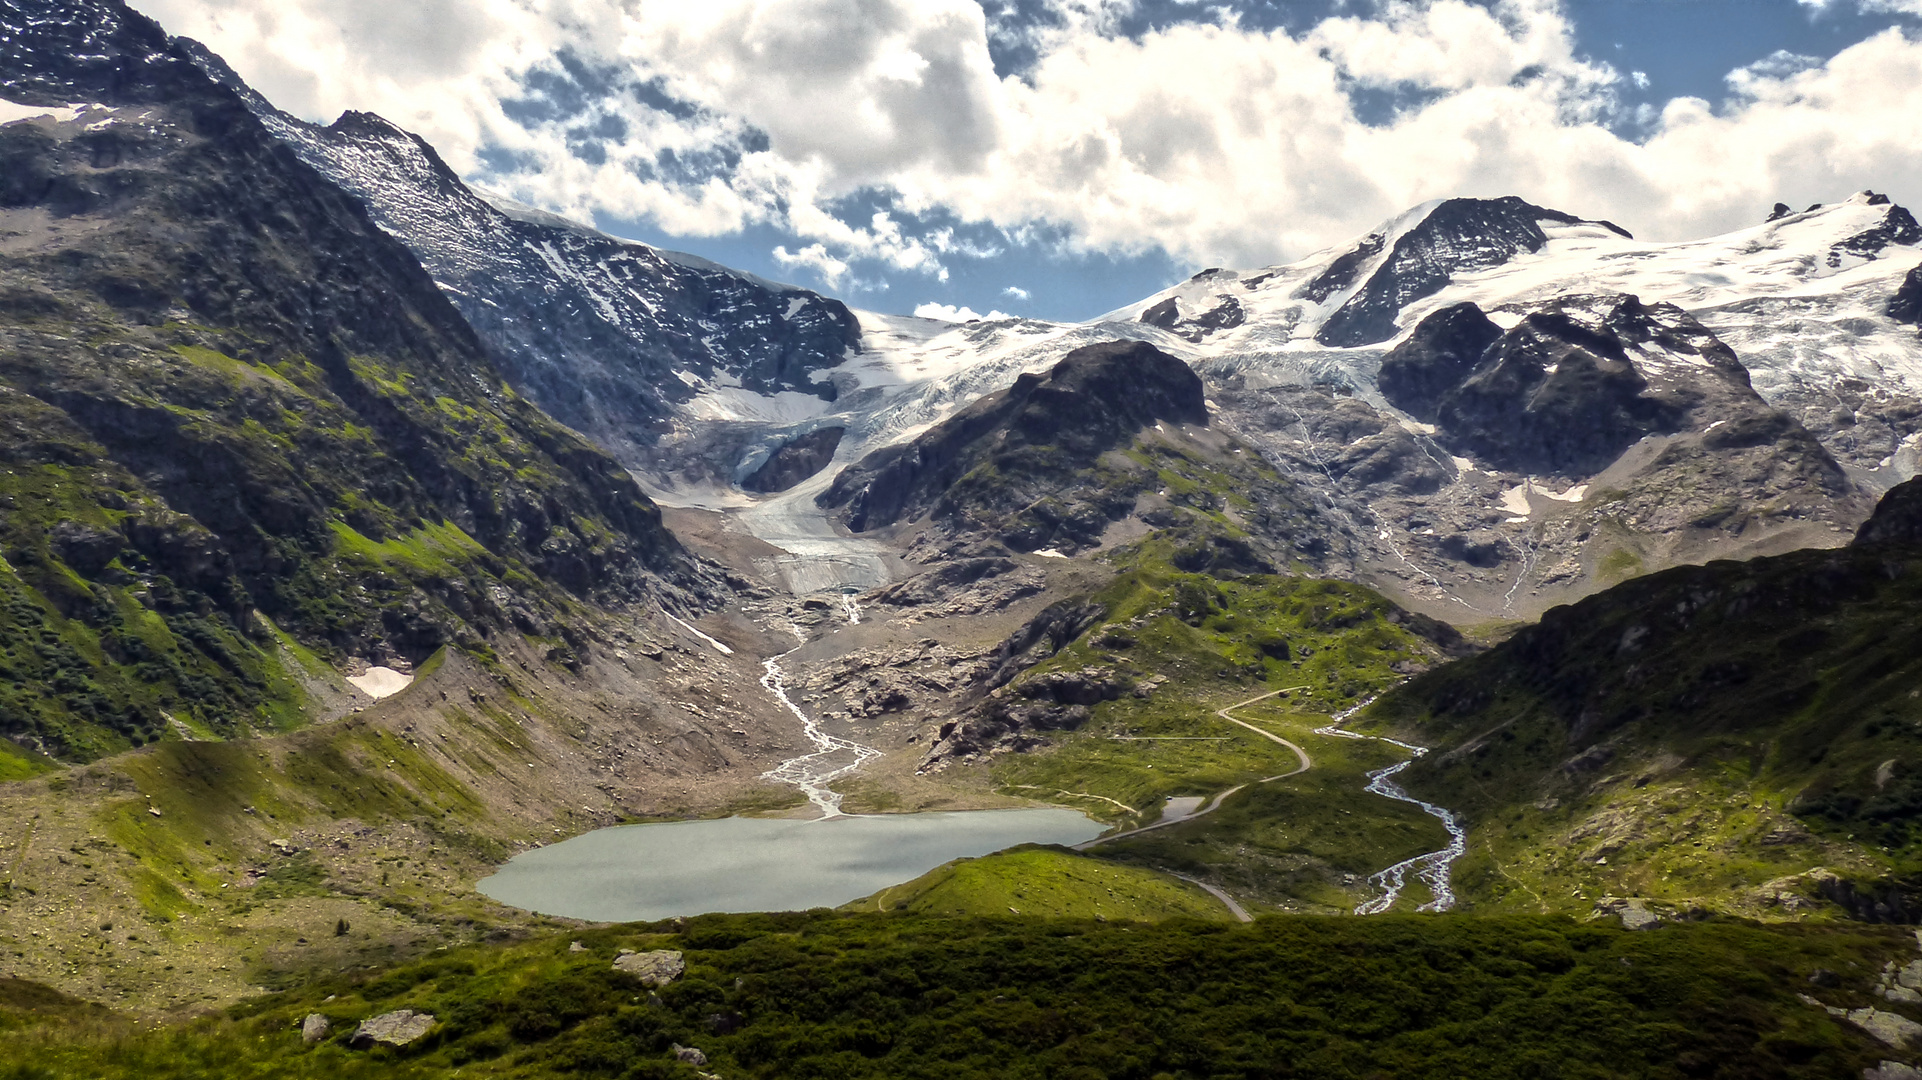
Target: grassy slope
x=1305 y=843
x=1045 y=882
x=152 y=880
x=1694 y=737
x=908 y=996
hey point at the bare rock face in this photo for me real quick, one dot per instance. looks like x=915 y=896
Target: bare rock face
x=398 y=1028
x=1459 y=236
x=1897 y=518
x=1019 y=444
x=1906 y=304
x=795 y=460
x=657 y=968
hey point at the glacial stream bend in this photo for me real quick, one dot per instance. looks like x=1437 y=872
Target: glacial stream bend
x=1431 y=868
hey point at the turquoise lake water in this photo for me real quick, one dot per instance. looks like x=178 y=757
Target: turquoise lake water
x=656 y=871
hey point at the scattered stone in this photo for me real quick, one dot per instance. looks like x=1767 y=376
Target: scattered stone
x=314 y=1028
x=1892 y=1070
x=1891 y=1028
x=687 y=1054
x=575 y=946
x=1633 y=911
x=1911 y=975
x=396 y=1028
x=657 y=968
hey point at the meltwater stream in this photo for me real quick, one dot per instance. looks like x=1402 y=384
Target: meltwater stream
x=813 y=772
x=1432 y=868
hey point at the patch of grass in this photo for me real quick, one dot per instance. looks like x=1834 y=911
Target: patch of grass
x=1046 y=881
x=19 y=763
x=1619 y=565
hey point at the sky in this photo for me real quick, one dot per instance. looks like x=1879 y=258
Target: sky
x=1063 y=158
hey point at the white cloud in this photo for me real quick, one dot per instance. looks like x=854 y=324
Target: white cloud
x=813 y=257
x=950 y=313
x=1015 y=292
x=1221 y=145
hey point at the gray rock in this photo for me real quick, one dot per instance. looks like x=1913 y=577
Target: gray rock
x=657 y=968
x=575 y=946
x=1892 y=1070
x=314 y=1028
x=688 y=1054
x=396 y=1028
x=1891 y=1028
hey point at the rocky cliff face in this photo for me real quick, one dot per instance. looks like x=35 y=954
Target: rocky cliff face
x=1012 y=448
x=1570 y=388
x=609 y=336
x=1459 y=236
x=228 y=392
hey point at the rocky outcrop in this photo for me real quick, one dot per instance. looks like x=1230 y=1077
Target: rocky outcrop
x=1041 y=637
x=1898 y=226
x=656 y=968
x=1906 y=304
x=1225 y=314
x=1897 y=520
x=1018 y=445
x=1892 y=1028
x=1016 y=717
x=1441 y=355
x=879 y=681
x=398 y=1028
x=1013 y=716
x=1457 y=236
x=1576 y=383
x=795 y=461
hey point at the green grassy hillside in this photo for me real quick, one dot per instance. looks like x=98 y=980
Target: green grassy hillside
x=1743 y=735
x=907 y=996
x=1045 y=882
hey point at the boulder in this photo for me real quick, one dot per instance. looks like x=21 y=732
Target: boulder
x=1892 y=1028
x=314 y=1028
x=687 y=1054
x=397 y=1028
x=657 y=968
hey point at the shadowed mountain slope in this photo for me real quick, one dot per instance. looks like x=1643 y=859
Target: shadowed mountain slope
x=1603 y=747
x=227 y=393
